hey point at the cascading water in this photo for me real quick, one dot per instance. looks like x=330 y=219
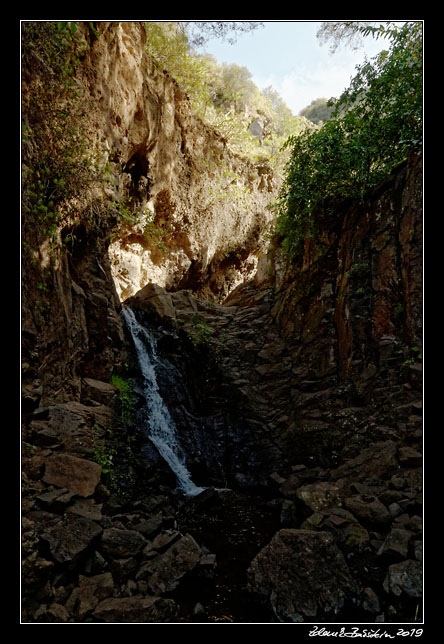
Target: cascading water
x=160 y=427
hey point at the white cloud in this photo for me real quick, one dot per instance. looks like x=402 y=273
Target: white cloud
x=302 y=85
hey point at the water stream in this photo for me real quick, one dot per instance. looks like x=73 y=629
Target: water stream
x=159 y=425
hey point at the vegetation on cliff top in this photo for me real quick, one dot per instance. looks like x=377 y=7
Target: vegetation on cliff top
x=348 y=146
x=363 y=135
x=224 y=95
x=376 y=123
x=57 y=159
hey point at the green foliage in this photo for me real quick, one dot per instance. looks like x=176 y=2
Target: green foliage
x=319 y=110
x=200 y=331
x=126 y=400
x=104 y=457
x=415 y=356
x=228 y=188
x=377 y=121
x=130 y=216
x=58 y=165
x=223 y=95
x=200 y=31
x=29 y=450
x=349 y=32
x=168 y=45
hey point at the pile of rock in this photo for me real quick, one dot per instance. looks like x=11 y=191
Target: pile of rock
x=352 y=541
x=85 y=558
x=105 y=568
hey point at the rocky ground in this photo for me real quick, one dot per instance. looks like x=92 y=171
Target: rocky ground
x=337 y=544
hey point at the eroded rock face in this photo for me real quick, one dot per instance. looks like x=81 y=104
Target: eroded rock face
x=200 y=209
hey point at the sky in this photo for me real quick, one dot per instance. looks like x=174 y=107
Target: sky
x=288 y=56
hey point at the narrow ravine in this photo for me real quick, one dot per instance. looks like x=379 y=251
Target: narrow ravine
x=230 y=525
x=269 y=467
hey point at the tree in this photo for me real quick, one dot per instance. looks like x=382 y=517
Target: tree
x=199 y=32
x=348 y=32
x=224 y=95
x=319 y=110
x=237 y=86
x=376 y=123
x=169 y=47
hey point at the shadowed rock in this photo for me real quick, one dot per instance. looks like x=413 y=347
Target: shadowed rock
x=302 y=574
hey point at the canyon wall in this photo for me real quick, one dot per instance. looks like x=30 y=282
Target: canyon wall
x=165 y=205
x=174 y=207
x=324 y=351
x=303 y=386
x=199 y=211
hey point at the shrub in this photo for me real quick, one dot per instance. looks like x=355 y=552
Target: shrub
x=58 y=162
x=377 y=121
x=125 y=389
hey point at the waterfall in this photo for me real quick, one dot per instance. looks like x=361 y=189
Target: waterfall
x=159 y=425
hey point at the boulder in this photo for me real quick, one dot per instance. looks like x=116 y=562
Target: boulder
x=368 y=510
x=53 y=614
x=404 y=577
x=136 y=609
x=322 y=495
x=396 y=544
x=71 y=538
x=409 y=457
x=165 y=572
x=302 y=574
x=87 y=509
x=123 y=569
x=36 y=570
x=207 y=566
x=56 y=500
x=122 y=543
x=347 y=531
x=379 y=461
x=92 y=591
x=370 y=601
x=75 y=474
x=72 y=425
x=97 y=390
x=162 y=541
x=150 y=527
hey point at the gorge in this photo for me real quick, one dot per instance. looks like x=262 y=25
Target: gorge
x=211 y=433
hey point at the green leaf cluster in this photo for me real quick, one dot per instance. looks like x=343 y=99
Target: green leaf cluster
x=168 y=46
x=103 y=455
x=126 y=399
x=130 y=215
x=58 y=163
x=199 y=331
x=376 y=122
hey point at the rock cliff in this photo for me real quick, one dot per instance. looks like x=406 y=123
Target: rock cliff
x=295 y=387
x=311 y=349
x=198 y=211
